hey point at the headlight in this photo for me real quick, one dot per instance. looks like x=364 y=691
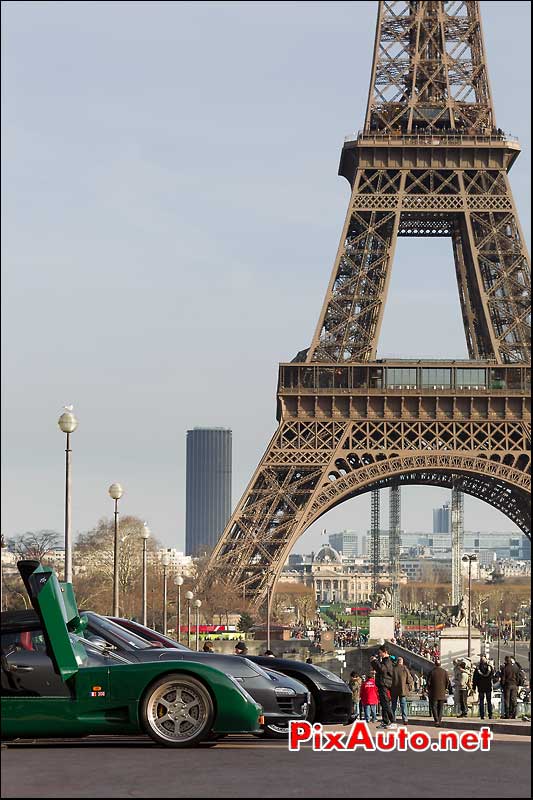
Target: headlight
x=329 y=675
x=284 y=691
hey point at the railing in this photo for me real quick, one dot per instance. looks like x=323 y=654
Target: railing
x=431 y=138
x=404 y=376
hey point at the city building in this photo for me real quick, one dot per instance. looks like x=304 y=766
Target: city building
x=349 y=543
x=208 y=487
x=442 y=519
x=179 y=563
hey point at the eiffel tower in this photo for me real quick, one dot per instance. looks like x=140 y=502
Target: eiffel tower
x=429 y=161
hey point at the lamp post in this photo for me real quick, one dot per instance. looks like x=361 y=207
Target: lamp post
x=189 y=596
x=68 y=423
x=197 y=603
x=145 y=535
x=178 y=580
x=115 y=492
x=500 y=619
x=269 y=606
x=469 y=557
x=165 y=561
x=515 y=619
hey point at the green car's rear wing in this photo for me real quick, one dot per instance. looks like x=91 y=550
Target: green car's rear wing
x=56 y=608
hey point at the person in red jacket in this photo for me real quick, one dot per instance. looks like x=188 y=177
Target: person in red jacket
x=369 y=697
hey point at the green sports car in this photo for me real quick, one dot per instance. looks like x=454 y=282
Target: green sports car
x=57 y=684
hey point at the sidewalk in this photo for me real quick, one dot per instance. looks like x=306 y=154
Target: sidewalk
x=515 y=727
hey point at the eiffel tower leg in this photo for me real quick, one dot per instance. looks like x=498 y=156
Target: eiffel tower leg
x=394 y=547
x=457 y=520
x=273 y=510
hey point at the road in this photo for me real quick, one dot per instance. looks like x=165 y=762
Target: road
x=522 y=650
x=247 y=767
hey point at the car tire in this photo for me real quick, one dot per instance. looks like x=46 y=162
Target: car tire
x=177 y=711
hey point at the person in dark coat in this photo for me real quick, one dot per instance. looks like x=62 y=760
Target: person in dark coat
x=382 y=665
x=402 y=684
x=509 y=682
x=438 y=688
x=482 y=681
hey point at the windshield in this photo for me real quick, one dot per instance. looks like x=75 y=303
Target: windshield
x=102 y=626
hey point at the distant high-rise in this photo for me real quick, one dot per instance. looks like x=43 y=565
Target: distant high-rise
x=348 y=543
x=208 y=489
x=442 y=519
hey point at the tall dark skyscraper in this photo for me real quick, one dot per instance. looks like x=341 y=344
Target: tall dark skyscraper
x=442 y=519
x=208 y=490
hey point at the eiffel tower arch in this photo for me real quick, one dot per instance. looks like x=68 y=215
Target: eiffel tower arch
x=429 y=161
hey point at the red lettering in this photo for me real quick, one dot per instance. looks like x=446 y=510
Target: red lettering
x=334 y=741
x=485 y=734
x=317 y=736
x=385 y=740
x=469 y=740
x=298 y=732
x=360 y=737
x=401 y=738
x=449 y=740
x=419 y=740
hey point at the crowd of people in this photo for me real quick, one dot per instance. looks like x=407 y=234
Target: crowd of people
x=389 y=685
x=423 y=644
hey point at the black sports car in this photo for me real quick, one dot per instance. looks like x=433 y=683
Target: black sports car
x=330 y=697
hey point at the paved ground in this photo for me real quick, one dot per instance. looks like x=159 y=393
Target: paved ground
x=247 y=767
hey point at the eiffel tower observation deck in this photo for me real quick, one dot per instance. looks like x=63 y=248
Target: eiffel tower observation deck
x=429 y=161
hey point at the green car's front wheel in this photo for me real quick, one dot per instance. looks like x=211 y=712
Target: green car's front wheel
x=177 y=711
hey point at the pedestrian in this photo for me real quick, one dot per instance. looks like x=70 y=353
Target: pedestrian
x=382 y=665
x=438 y=686
x=241 y=649
x=308 y=660
x=482 y=681
x=369 y=697
x=355 y=683
x=270 y=653
x=510 y=680
x=402 y=685
x=208 y=647
x=461 y=678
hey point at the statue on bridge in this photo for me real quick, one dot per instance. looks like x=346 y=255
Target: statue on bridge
x=383 y=600
x=459 y=613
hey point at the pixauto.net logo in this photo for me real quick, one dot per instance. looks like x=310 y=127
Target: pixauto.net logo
x=386 y=740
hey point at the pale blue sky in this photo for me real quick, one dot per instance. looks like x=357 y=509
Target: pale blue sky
x=171 y=212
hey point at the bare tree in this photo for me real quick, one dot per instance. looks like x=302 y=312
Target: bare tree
x=36 y=545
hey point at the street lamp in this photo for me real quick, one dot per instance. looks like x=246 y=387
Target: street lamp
x=68 y=423
x=178 y=580
x=145 y=535
x=189 y=596
x=197 y=603
x=115 y=492
x=469 y=557
x=165 y=561
x=269 y=605
x=515 y=618
x=500 y=620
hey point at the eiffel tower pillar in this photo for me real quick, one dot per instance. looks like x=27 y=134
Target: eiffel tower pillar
x=394 y=547
x=375 y=552
x=457 y=526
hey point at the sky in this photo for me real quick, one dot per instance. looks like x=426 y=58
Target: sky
x=171 y=213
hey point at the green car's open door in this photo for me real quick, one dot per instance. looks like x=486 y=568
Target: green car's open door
x=56 y=608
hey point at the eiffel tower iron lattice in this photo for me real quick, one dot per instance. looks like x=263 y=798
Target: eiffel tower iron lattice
x=429 y=162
